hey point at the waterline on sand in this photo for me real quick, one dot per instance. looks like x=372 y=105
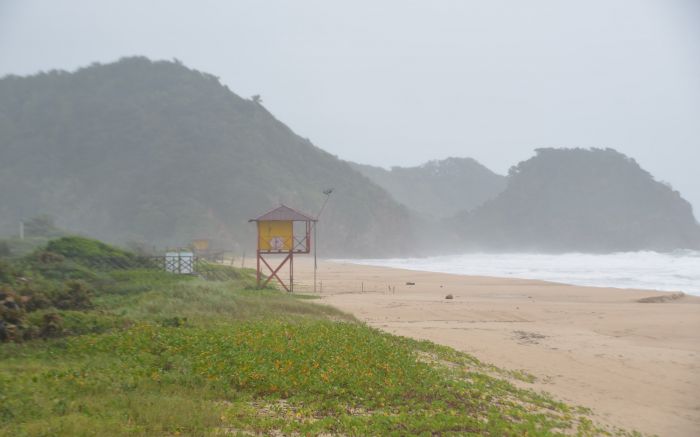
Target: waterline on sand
x=673 y=271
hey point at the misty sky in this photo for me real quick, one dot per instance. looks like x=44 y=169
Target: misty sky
x=402 y=82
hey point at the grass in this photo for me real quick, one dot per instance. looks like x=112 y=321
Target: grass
x=209 y=303
x=160 y=354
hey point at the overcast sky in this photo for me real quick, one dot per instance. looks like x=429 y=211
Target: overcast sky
x=402 y=82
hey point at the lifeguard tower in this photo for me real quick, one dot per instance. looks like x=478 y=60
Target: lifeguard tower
x=282 y=231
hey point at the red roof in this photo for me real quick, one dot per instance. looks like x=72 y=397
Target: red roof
x=283 y=214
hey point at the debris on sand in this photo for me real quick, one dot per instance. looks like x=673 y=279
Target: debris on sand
x=524 y=337
x=668 y=297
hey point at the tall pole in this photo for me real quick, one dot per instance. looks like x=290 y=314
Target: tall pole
x=315 y=264
x=328 y=195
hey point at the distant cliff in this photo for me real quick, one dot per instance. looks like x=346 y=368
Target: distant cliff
x=438 y=189
x=156 y=152
x=589 y=200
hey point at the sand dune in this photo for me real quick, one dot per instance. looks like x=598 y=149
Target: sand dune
x=631 y=356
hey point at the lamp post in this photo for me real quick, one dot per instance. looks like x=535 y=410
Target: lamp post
x=327 y=193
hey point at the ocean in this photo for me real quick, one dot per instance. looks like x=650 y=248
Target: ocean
x=674 y=271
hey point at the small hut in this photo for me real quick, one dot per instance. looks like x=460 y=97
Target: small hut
x=284 y=231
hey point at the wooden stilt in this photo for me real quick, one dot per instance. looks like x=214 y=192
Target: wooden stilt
x=291 y=272
x=276 y=270
x=258 y=270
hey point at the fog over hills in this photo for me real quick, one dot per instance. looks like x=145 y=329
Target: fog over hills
x=438 y=189
x=588 y=200
x=156 y=152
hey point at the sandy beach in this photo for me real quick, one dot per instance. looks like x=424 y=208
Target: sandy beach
x=632 y=356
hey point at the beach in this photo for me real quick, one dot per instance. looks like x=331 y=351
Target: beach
x=631 y=356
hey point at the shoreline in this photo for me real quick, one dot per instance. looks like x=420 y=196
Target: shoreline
x=515 y=278
x=642 y=270
x=632 y=356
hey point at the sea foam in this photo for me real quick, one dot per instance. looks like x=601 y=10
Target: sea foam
x=674 y=271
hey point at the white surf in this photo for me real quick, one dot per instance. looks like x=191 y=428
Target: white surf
x=674 y=271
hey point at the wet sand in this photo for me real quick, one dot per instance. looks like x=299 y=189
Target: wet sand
x=631 y=357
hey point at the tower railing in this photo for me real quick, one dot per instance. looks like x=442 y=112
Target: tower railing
x=298 y=245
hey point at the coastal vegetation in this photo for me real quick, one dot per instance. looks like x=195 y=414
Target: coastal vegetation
x=99 y=350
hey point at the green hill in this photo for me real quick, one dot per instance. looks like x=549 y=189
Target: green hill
x=589 y=200
x=438 y=189
x=153 y=151
x=156 y=153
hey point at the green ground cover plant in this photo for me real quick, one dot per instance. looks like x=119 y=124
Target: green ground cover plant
x=162 y=354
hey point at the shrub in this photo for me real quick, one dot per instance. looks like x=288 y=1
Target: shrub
x=92 y=253
x=13 y=321
x=35 y=300
x=55 y=266
x=75 y=296
x=47 y=257
x=52 y=326
x=11 y=310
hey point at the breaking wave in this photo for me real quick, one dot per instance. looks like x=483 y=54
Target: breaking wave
x=673 y=271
